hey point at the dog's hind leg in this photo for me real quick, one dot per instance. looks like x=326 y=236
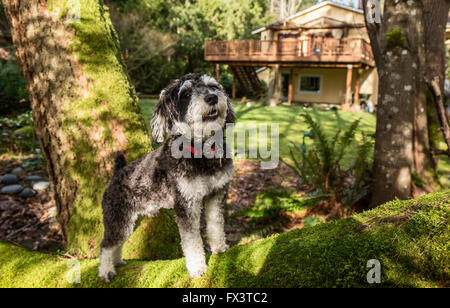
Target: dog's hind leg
x=188 y=221
x=215 y=222
x=111 y=247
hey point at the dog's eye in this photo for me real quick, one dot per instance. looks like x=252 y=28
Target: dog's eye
x=186 y=94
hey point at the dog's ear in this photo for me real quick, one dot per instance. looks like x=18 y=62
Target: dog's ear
x=230 y=118
x=161 y=121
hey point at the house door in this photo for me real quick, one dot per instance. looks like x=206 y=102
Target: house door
x=285 y=85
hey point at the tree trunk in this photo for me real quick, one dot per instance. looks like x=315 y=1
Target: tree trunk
x=402 y=147
x=84 y=109
x=435 y=19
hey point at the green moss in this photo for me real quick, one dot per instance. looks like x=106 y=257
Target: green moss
x=434 y=127
x=26 y=131
x=410 y=239
x=152 y=241
x=395 y=38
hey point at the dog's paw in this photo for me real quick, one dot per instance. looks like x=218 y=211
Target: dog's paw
x=220 y=249
x=106 y=274
x=107 y=277
x=197 y=272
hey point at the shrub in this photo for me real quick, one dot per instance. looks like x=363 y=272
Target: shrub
x=266 y=217
x=12 y=83
x=17 y=134
x=321 y=166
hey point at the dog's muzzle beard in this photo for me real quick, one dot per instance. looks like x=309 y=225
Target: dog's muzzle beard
x=205 y=117
x=212 y=100
x=211 y=116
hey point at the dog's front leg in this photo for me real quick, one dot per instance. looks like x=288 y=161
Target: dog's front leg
x=215 y=222
x=188 y=221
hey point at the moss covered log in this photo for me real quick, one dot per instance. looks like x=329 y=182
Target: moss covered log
x=84 y=109
x=410 y=239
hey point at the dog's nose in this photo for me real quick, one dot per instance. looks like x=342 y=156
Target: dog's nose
x=211 y=99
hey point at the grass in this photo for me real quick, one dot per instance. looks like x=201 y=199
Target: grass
x=292 y=127
x=409 y=238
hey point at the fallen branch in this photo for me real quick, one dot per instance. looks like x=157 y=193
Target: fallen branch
x=440 y=108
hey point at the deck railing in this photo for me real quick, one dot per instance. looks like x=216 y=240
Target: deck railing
x=291 y=50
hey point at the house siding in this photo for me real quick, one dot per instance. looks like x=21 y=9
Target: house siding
x=333 y=86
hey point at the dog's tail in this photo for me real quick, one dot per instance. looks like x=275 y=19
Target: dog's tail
x=119 y=161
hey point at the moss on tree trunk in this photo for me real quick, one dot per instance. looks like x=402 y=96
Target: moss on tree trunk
x=84 y=109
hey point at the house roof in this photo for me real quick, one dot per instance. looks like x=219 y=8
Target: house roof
x=312 y=8
x=282 y=24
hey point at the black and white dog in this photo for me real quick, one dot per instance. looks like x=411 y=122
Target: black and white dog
x=191 y=109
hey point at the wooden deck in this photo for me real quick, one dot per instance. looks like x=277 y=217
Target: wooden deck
x=290 y=52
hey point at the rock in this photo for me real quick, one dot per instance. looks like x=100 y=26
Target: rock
x=34 y=178
x=41 y=185
x=12 y=189
x=18 y=171
x=27 y=193
x=9 y=179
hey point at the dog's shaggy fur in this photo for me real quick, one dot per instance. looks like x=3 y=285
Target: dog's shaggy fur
x=159 y=180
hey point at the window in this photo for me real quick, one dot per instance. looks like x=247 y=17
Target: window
x=288 y=36
x=310 y=84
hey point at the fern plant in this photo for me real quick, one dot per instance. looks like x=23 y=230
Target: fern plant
x=267 y=215
x=321 y=167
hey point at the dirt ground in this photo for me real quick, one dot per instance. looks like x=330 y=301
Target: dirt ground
x=30 y=222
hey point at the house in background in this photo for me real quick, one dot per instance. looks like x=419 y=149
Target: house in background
x=320 y=55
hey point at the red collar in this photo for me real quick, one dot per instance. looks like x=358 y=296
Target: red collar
x=196 y=152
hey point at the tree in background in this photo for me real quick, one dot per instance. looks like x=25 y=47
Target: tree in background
x=179 y=29
x=284 y=8
x=144 y=49
x=13 y=93
x=84 y=109
x=5 y=34
x=407 y=42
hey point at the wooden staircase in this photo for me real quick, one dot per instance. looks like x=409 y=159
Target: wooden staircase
x=248 y=80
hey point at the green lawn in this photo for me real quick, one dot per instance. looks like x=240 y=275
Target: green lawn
x=292 y=126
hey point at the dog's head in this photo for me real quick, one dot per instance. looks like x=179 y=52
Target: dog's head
x=193 y=105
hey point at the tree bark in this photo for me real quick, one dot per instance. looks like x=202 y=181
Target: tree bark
x=435 y=19
x=402 y=147
x=84 y=109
